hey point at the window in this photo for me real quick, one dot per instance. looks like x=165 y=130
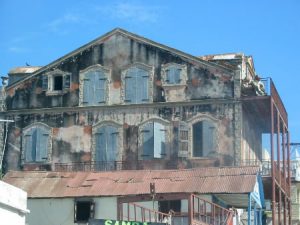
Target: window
x=94 y=87
x=167 y=206
x=56 y=82
x=35 y=144
x=203 y=138
x=106 y=147
x=83 y=211
x=183 y=137
x=136 y=85
x=154 y=140
x=174 y=74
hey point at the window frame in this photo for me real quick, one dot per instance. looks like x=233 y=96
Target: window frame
x=48 y=82
x=119 y=146
x=182 y=76
x=91 y=210
x=82 y=78
x=166 y=129
x=124 y=74
x=25 y=132
x=199 y=119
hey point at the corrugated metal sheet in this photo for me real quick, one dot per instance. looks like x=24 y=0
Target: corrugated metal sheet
x=40 y=184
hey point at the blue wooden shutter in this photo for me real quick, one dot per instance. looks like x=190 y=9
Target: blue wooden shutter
x=148 y=141
x=45 y=83
x=101 y=144
x=143 y=85
x=28 y=148
x=159 y=140
x=130 y=85
x=87 y=86
x=41 y=145
x=67 y=81
x=112 y=136
x=208 y=131
x=100 y=87
x=173 y=75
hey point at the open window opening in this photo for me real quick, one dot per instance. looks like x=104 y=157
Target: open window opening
x=58 y=83
x=83 y=211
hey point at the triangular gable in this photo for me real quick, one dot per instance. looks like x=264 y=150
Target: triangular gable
x=138 y=38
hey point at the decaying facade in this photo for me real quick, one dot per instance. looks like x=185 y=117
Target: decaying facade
x=123 y=102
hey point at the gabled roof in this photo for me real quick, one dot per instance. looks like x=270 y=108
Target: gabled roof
x=136 y=37
x=235 y=180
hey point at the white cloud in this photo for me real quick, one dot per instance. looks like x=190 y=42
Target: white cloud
x=131 y=12
x=16 y=49
x=67 y=19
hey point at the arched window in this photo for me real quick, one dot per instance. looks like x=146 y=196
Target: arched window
x=35 y=143
x=94 y=86
x=204 y=140
x=153 y=140
x=136 y=85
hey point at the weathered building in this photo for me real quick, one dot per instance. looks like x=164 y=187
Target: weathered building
x=123 y=102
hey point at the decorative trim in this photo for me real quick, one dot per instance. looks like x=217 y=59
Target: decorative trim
x=168 y=135
x=95 y=67
x=51 y=75
x=49 y=144
x=143 y=66
x=120 y=138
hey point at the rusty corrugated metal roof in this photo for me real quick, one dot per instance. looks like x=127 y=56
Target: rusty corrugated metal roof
x=40 y=184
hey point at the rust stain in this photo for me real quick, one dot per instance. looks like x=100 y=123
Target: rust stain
x=74 y=86
x=195 y=82
x=158 y=83
x=55 y=131
x=125 y=125
x=38 y=90
x=117 y=84
x=11 y=92
x=87 y=130
x=17 y=132
x=86 y=157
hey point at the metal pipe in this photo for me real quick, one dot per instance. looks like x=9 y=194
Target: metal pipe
x=272 y=163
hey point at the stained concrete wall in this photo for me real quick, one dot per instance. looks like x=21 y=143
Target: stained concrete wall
x=210 y=89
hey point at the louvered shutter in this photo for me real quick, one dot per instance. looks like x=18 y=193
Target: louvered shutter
x=143 y=85
x=42 y=145
x=112 y=134
x=87 y=86
x=183 y=139
x=130 y=80
x=67 y=81
x=45 y=82
x=148 y=141
x=28 y=148
x=159 y=140
x=101 y=147
x=100 y=87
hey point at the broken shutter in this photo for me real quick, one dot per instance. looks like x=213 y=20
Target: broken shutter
x=148 y=141
x=101 y=145
x=100 y=87
x=67 y=81
x=208 y=131
x=183 y=139
x=159 y=140
x=28 y=148
x=45 y=82
x=130 y=80
x=41 y=145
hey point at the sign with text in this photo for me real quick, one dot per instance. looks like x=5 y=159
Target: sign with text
x=120 y=222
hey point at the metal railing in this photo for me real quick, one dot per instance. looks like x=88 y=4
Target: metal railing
x=210 y=213
x=134 y=212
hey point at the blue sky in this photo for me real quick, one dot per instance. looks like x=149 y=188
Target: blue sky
x=39 y=31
